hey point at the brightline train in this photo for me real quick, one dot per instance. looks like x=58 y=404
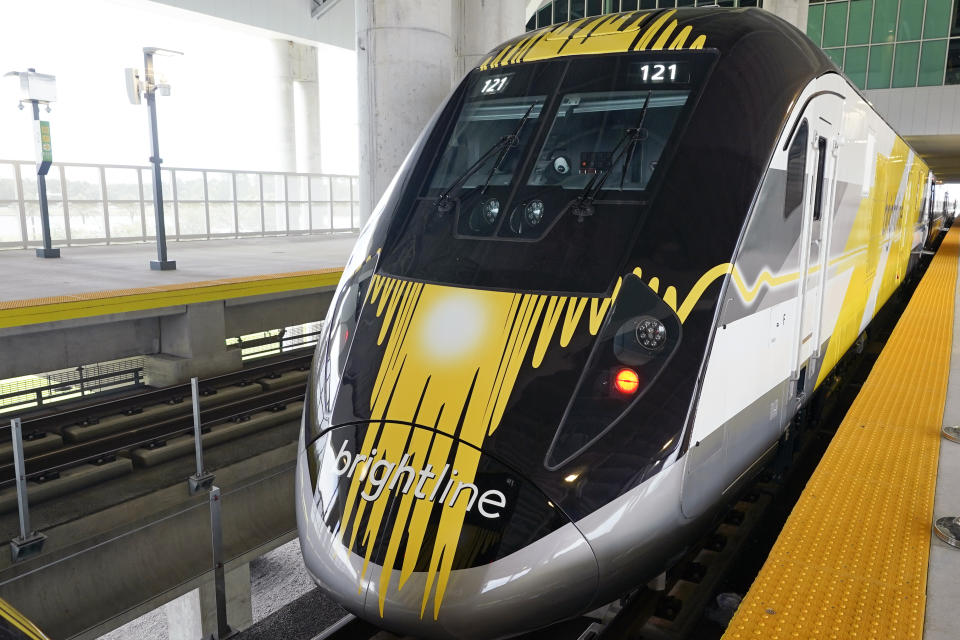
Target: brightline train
x=614 y=266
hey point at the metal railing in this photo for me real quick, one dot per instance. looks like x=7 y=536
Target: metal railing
x=31 y=391
x=268 y=343
x=104 y=204
x=41 y=389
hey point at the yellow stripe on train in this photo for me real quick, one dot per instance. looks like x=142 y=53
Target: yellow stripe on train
x=616 y=33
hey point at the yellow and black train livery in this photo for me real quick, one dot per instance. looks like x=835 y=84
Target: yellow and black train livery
x=607 y=275
x=14 y=626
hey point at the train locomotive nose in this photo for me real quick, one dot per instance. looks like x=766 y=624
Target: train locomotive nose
x=427 y=535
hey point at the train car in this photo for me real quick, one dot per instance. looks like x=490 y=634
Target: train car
x=14 y=626
x=621 y=256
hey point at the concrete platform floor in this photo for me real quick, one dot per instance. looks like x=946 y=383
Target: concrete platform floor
x=943 y=573
x=127 y=266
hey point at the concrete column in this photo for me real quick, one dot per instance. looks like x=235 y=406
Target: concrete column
x=793 y=11
x=298 y=103
x=284 y=126
x=306 y=106
x=193 y=615
x=405 y=68
x=483 y=24
x=410 y=53
x=192 y=343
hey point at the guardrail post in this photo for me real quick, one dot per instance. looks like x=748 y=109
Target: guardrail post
x=286 y=202
x=263 y=215
x=21 y=204
x=951 y=433
x=202 y=480
x=66 y=204
x=236 y=208
x=219 y=581
x=29 y=542
x=948 y=528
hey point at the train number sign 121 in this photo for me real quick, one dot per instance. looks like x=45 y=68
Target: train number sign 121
x=666 y=72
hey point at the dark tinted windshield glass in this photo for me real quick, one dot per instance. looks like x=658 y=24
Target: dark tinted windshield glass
x=481 y=127
x=515 y=149
x=590 y=128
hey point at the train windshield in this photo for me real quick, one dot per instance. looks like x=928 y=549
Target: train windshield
x=519 y=146
x=488 y=138
x=619 y=132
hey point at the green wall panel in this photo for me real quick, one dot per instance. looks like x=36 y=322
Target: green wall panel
x=815 y=23
x=885 y=20
x=910 y=24
x=932 y=62
x=881 y=61
x=905 y=64
x=856 y=66
x=858 y=30
x=937 y=22
x=835 y=25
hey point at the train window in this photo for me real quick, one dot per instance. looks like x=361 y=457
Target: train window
x=796 y=166
x=482 y=127
x=482 y=211
x=588 y=136
x=821 y=164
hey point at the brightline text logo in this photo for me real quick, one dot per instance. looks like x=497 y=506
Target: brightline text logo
x=383 y=471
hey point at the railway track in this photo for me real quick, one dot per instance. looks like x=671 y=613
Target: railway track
x=53 y=418
x=137 y=427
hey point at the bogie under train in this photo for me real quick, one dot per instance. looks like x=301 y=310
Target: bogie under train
x=611 y=270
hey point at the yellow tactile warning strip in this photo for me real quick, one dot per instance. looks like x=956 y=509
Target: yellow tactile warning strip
x=851 y=561
x=17 y=313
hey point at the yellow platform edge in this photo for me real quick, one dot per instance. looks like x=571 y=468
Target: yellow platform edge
x=851 y=561
x=16 y=313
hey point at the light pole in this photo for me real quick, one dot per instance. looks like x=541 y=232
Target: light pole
x=40 y=88
x=149 y=88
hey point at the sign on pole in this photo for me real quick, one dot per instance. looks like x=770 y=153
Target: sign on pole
x=44 y=147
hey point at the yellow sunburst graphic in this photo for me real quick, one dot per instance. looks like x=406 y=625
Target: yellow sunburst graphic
x=612 y=33
x=451 y=359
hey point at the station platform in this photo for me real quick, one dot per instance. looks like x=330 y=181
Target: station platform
x=857 y=557
x=100 y=304
x=98 y=280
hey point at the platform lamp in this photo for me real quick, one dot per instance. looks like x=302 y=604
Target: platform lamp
x=149 y=86
x=36 y=89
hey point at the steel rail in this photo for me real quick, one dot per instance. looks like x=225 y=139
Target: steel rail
x=101 y=408
x=74 y=454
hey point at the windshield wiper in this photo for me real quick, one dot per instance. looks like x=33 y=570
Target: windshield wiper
x=632 y=136
x=444 y=203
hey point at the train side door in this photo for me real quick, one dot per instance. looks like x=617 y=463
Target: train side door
x=823 y=114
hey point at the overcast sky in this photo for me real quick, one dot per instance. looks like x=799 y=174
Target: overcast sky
x=224 y=112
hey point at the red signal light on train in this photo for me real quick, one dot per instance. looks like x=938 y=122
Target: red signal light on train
x=626 y=381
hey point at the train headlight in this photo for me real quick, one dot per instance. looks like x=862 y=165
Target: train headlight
x=626 y=381
x=651 y=334
x=533 y=212
x=635 y=345
x=489 y=210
